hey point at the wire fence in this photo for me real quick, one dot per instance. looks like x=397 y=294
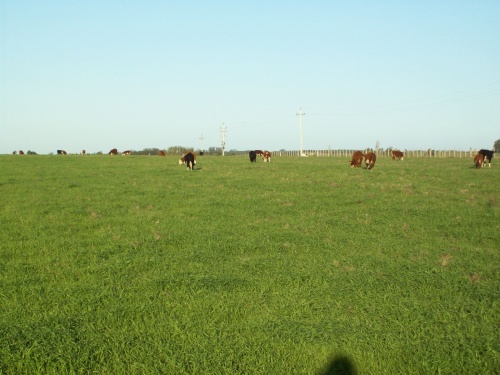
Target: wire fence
x=407 y=153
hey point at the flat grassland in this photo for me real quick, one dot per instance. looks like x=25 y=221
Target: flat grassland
x=133 y=265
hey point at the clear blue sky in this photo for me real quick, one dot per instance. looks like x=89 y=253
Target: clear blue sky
x=97 y=75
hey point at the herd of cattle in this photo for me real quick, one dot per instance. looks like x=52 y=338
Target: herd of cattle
x=370 y=158
x=265 y=155
x=480 y=158
x=189 y=158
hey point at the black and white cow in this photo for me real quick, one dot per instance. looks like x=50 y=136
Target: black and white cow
x=488 y=155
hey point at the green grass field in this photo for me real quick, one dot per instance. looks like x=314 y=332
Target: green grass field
x=133 y=265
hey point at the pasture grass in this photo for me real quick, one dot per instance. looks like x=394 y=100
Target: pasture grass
x=114 y=264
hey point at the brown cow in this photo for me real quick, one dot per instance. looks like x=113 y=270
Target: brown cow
x=161 y=153
x=128 y=152
x=397 y=154
x=113 y=152
x=266 y=156
x=259 y=152
x=183 y=158
x=479 y=160
x=84 y=152
x=357 y=159
x=21 y=152
x=370 y=159
x=61 y=152
x=189 y=159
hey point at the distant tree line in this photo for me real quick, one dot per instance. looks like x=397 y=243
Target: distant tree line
x=179 y=150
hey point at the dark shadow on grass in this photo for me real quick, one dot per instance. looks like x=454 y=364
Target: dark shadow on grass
x=340 y=365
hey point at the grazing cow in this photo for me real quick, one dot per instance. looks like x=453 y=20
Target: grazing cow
x=21 y=152
x=14 y=152
x=61 y=152
x=357 y=159
x=253 y=156
x=266 y=156
x=370 y=159
x=397 y=154
x=182 y=159
x=128 y=152
x=259 y=152
x=84 y=152
x=189 y=159
x=479 y=160
x=161 y=153
x=487 y=156
x=113 y=152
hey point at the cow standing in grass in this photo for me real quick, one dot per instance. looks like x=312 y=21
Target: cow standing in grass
x=487 y=156
x=370 y=159
x=396 y=154
x=113 y=152
x=61 y=152
x=266 y=156
x=182 y=159
x=189 y=159
x=479 y=160
x=253 y=156
x=357 y=159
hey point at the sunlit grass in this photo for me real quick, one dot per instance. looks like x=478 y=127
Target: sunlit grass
x=135 y=265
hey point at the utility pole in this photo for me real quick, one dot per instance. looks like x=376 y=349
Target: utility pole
x=223 y=131
x=300 y=114
x=201 y=139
